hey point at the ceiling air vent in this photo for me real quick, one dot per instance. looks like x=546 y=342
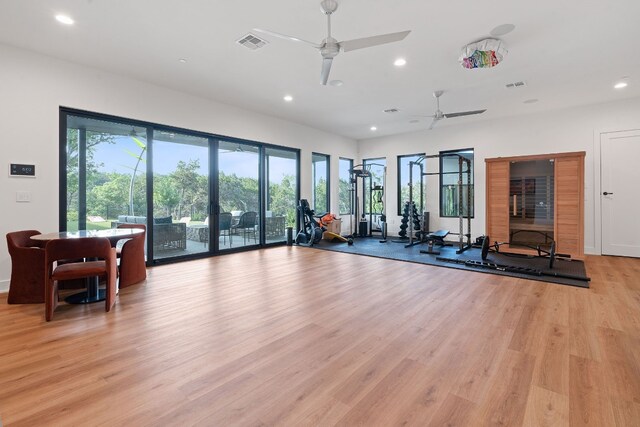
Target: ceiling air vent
x=514 y=85
x=391 y=110
x=252 y=42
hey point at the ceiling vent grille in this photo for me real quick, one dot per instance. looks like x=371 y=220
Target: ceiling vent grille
x=252 y=42
x=515 y=85
x=391 y=110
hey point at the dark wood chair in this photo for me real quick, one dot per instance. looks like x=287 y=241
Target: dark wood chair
x=27 y=268
x=66 y=249
x=132 y=268
x=225 y=220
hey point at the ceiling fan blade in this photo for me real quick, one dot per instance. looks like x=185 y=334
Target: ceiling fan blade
x=326 y=69
x=464 y=113
x=433 y=123
x=286 y=37
x=348 y=45
x=421 y=115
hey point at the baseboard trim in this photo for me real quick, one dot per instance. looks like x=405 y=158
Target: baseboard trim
x=4 y=286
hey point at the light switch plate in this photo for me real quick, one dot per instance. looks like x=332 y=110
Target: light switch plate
x=23 y=196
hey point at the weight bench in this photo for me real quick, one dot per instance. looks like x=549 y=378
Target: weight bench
x=437 y=237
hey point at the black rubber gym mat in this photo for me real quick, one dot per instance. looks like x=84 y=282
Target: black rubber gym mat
x=397 y=251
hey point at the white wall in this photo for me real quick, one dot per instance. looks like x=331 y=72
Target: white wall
x=575 y=129
x=33 y=87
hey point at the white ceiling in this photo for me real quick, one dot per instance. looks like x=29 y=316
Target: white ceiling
x=568 y=52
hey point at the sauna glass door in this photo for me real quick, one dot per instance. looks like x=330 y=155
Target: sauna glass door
x=531 y=203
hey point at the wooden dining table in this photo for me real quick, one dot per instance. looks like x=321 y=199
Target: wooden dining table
x=93 y=292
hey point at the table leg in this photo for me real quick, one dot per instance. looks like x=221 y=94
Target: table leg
x=91 y=295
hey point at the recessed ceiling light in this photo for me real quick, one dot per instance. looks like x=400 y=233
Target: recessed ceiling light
x=503 y=29
x=182 y=61
x=400 y=62
x=336 y=83
x=373 y=128
x=288 y=98
x=620 y=85
x=530 y=101
x=64 y=19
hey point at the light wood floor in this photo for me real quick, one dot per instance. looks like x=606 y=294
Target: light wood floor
x=297 y=336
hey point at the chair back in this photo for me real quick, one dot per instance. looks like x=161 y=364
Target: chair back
x=132 y=261
x=87 y=247
x=248 y=220
x=225 y=220
x=21 y=239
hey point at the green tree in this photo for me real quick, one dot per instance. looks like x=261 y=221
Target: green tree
x=282 y=199
x=320 y=197
x=165 y=195
x=344 y=196
x=185 y=179
x=72 y=154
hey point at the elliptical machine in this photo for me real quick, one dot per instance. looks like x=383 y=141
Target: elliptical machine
x=310 y=230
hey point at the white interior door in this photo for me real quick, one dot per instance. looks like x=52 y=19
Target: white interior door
x=620 y=193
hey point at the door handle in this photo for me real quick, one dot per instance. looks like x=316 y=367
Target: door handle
x=607 y=194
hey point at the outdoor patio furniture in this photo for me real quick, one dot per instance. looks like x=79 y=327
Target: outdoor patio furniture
x=247 y=223
x=167 y=235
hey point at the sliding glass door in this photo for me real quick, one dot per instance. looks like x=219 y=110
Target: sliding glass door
x=238 y=194
x=104 y=173
x=180 y=194
x=281 y=170
x=197 y=193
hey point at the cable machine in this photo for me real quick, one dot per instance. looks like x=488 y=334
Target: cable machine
x=364 y=228
x=464 y=168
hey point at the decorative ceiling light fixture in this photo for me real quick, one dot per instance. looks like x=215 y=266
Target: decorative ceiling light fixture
x=485 y=53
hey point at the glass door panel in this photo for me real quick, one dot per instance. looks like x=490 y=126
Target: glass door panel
x=238 y=194
x=531 y=203
x=180 y=194
x=106 y=179
x=281 y=167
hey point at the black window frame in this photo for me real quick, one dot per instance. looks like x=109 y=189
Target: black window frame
x=65 y=112
x=313 y=180
x=364 y=186
x=349 y=195
x=442 y=155
x=419 y=207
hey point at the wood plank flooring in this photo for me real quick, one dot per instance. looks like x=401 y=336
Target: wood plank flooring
x=297 y=336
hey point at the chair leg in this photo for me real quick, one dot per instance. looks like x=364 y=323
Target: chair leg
x=50 y=299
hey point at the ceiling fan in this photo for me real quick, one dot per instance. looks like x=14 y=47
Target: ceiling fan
x=439 y=115
x=330 y=47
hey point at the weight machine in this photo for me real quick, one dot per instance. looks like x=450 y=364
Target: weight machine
x=364 y=228
x=464 y=239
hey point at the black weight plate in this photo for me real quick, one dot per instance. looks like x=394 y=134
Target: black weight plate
x=485 y=247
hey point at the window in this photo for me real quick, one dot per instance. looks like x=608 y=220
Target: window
x=344 y=186
x=320 y=176
x=403 y=182
x=375 y=198
x=449 y=186
x=191 y=189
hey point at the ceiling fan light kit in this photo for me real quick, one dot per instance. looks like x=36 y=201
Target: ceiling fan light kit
x=485 y=53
